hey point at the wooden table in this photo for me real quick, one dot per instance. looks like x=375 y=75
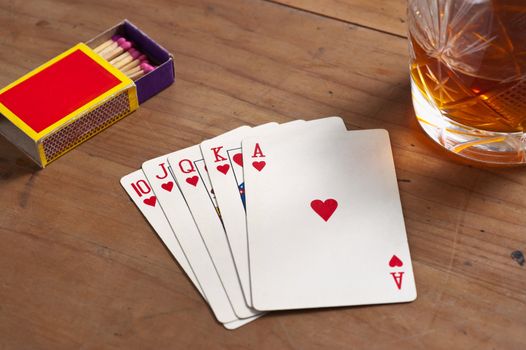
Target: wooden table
x=81 y=269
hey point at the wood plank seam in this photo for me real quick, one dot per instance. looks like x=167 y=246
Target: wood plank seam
x=336 y=19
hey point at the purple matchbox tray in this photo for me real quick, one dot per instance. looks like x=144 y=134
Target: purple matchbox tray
x=164 y=73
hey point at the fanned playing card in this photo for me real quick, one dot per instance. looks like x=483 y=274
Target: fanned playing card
x=223 y=158
x=139 y=190
x=325 y=224
x=172 y=203
x=190 y=173
x=298 y=215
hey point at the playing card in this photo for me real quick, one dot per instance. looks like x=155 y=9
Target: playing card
x=324 y=126
x=190 y=174
x=235 y=158
x=142 y=195
x=220 y=160
x=174 y=206
x=325 y=224
x=223 y=157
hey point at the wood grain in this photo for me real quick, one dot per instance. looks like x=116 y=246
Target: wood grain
x=81 y=268
x=383 y=15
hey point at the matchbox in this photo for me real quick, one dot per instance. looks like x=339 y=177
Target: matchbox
x=77 y=94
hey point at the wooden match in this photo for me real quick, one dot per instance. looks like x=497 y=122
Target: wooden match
x=108 y=55
x=107 y=43
x=145 y=68
x=133 y=64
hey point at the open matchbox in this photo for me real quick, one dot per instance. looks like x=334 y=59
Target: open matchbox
x=77 y=94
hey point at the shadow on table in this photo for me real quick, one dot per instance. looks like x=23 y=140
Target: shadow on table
x=322 y=310
x=13 y=162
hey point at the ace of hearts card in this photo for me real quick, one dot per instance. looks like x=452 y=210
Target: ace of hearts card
x=324 y=222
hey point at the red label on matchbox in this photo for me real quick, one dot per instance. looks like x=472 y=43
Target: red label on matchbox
x=58 y=90
x=64 y=102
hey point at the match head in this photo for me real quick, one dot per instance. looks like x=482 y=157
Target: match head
x=143 y=58
x=120 y=40
x=116 y=37
x=134 y=53
x=146 y=68
x=126 y=45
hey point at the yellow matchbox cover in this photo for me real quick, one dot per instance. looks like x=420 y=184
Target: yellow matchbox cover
x=58 y=95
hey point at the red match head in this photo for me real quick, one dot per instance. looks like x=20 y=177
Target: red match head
x=134 y=53
x=126 y=45
x=116 y=37
x=146 y=68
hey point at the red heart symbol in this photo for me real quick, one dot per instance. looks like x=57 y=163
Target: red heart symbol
x=223 y=168
x=150 y=201
x=238 y=158
x=168 y=186
x=259 y=165
x=395 y=262
x=192 y=180
x=325 y=209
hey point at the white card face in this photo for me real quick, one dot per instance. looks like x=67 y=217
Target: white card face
x=222 y=155
x=325 y=223
x=144 y=198
x=234 y=149
x=193 y=184
x=178 y=215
